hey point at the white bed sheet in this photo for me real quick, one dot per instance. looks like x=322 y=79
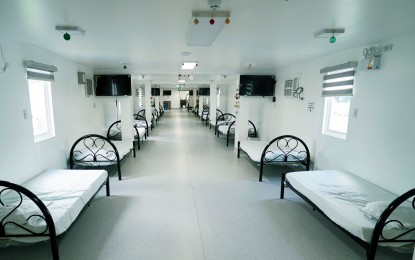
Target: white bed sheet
x=64 y=192
x=340 y=195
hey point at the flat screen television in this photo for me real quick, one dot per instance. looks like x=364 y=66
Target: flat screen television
x=257 y=85
x=155 y=91
x=112 y=85
x=166 y=92
x=204 y=91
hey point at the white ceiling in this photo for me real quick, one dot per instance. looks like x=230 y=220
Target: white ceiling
x=150 y=36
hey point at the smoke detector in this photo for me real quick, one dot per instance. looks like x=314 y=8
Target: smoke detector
x=214 y=4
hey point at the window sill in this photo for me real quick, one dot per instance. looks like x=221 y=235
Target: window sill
x=335 y=134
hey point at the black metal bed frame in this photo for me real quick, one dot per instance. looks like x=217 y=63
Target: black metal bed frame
x=208 y=121
x=226 y=117
x=230 y=133
x=205 y=111
x=117 y=134
x=377 y=235
x=97 y=142
x=218 y=114
x=142 y=118
x=50 y=230
x=161 y=109
x=142 y=113
x=282 y=142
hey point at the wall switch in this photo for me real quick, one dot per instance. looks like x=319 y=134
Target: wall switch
x=355 y=112
x=387 y=47
x=24 y=114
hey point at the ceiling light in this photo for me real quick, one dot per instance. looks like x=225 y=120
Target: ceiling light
x=329 y=33
x=181 y=81
x=189 y=65
x=69 y=30
x=195 y=21
x=212 y=21
x=227 y=20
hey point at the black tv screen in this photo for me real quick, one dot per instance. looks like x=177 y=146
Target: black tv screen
x=257 y=85
x=155 y=91
x=190 y=92
x=204 y=91
x=166 y=92
x=112 y=85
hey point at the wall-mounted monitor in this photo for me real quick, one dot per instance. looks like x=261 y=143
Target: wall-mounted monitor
x=257 y=85
x=204 y=91
x=112 y=85
x=166 y=92
x=155 y=91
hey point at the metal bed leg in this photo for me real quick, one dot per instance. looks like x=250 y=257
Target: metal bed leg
x=107 y=186
x=260 y=171
x=119 y=171
x=282 y=185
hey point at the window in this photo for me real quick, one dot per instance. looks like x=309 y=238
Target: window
x=42 y=110
x=140 y=97
x=39 y=76
x=336 y=116
x=337 y=89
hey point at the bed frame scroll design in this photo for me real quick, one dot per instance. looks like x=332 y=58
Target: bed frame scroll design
x=90 y=142
x=50 y=226
x=282 y=142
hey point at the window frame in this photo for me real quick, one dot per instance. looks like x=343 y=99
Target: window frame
x=326 y=119
x=47 y=109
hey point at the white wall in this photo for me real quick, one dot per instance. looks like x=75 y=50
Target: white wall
x=75 y=114
x=379 y=145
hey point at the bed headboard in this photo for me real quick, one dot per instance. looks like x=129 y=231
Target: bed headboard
x=287 y=148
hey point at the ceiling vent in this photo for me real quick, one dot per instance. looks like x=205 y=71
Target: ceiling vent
x=214 y=4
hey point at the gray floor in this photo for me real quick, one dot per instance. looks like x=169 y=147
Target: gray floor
x=187 y=196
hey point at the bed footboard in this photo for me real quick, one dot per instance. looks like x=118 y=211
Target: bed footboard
x=6 y=221
x=406 y=235
x=384 y=220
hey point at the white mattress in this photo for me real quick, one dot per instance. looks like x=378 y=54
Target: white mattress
x=341 y=195
x=115 y=132
x=140 y=123
x=64 y=192
x=223 y=129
